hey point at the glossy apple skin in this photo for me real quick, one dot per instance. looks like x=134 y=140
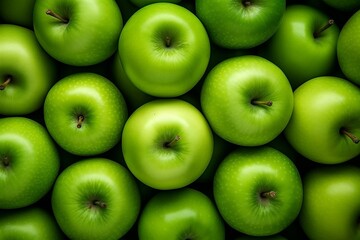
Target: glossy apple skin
x=98 y=100
x=322 y=107
x=154 y=67
x=90 y=36
x=331 y=206
x=180 y=214
x=159 y=122
x=295 y=50
x=228 y=21
x=95 y=179
x=33 y=162
x=22 y=58
x=348 y=48
x=227 y=94
x=29 y=223
x=240 y=179
x=142 y=3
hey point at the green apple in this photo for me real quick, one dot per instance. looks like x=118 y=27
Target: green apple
x=95 y=198
x=344 y=5
x=240 y=24
x=142 y=3
x=167 y=143
x=331 y=206
x=85 y=113
x=159 y=48
x=78 y=32
x=247 y=100
x=134 y=97
x=29 y=223
x=18 y=12
x=258 y=190
x=325 y=124
x=184 y=213
x=304 y=46
x=26 y=71
x=348 y=48
x=29 y=162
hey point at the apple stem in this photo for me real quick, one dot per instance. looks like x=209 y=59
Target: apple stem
x=323 y=28
x=259 y=102
x=99 y=203
x=246 y=3
x=57 y=16
x=172 y=142
x=80 y=121
x=4 y=84
x=168 y=41
x=354 y=138
x=268 y=195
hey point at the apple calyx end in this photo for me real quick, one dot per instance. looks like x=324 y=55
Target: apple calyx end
x=329 y=23
x=246 y=3
x=6 y=83
x=268 y=195
x=57 y=16
x=168 y=41
x=5 y=161
x=80 y=121
x=172 y=142
x=97 y=203
x=264 y=103
x=354 y=138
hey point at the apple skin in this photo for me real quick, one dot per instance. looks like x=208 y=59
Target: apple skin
x=331 y=206
x=98 y=101
x=348 y=48
x=227 y=97
x=323 y=107
x=171 y=40
x=296 y=51
x=29 y=162
x=18 y=12
x=346 y=6
x=142 y=3
x=83 y=183
x=23 y=60
x=29 y=223
x=160 y=122
x=241 y=179
x=228 y=21
x=183 y=213
x=89 y=37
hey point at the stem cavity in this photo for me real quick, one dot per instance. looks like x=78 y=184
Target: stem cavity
x=6 y=83
x=80 y=121
x=260 y=102
x=268 y=195
x=57 y=16
x=323 y=28
x=354 y=138
x=172 y=142
x=168 y=41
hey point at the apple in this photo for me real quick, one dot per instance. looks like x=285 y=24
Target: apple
x=78 y=32
x=142 y=3
x=348 y=48
x=304 y=46
x=29 y=162
x=240 y=24
x=159 y=48
x=258 y=190
x=247 y=100
x=183 y=213
x=331 y=206
x=22 y=60
x=29 y=223
x=345 y=5
x=325 y=124
x=85 y=114
x=167 y=143
x=18 y=12
x=95 y=198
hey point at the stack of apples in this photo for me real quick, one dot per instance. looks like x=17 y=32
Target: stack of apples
x=180 y=119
